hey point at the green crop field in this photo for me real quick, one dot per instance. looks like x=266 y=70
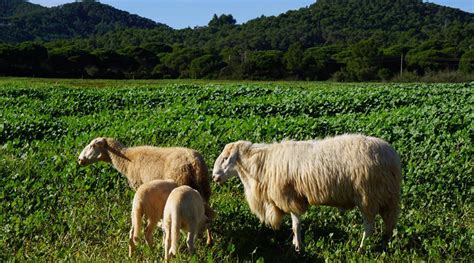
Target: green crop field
x=52 y=209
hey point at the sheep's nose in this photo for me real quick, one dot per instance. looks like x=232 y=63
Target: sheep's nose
x=216 y=178
x=80 y=161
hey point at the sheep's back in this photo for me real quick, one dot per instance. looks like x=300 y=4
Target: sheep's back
x=341 y=171
x=183 y=165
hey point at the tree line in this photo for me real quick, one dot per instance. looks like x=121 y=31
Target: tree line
x=362 y=61
x=342 y=40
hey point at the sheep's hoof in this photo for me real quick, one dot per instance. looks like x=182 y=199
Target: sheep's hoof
x=385 y=241
x=131 y=249
x=209 y=239
x=298 y=249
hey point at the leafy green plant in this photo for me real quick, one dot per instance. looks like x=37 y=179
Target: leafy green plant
x=52 y=209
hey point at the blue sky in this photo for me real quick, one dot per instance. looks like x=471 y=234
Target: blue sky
x=183 y=13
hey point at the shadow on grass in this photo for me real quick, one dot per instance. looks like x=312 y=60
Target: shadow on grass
x=254 y=241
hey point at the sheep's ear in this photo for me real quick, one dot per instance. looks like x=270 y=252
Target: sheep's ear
x=233 y=151
x=100 y=142
x=242 y=146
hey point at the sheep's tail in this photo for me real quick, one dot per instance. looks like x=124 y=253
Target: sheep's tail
x=204 y=189
x=174 y=234
x=137 y=213
x=204 y=185
x=202 y=176
x=391 y=211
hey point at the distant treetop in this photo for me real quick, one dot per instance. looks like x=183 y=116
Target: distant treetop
x=221 y=20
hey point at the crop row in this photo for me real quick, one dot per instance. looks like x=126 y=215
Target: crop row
x=54 y=209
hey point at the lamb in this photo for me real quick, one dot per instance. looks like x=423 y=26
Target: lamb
x=142 y=164
x=345 y=171
x=149 y=200
x=184 y=209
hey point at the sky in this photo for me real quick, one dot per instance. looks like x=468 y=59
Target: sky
x=183 y=13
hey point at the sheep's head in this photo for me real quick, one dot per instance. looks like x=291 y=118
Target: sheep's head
x=95 y=151
x=224 y=166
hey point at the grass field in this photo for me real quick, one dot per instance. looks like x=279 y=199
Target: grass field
x=52 y=209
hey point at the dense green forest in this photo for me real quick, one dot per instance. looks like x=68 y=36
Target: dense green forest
x=23 y=21
x=11 y=8
x=342 y=40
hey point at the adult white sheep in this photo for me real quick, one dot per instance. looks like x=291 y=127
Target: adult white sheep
x=184 y=209
x=149 y=201
x=344 y=171
x=142 y=164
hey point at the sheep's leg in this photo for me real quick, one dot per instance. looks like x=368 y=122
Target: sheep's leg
x=149 y=231
x=389 y=217
x=209 y=236
x=296 y=226
x=368 y=229
x=131 y=244
x=190 y=241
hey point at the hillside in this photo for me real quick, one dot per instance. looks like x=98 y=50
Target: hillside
x=343 y=40
x=324 y=22
x=67 y=21
x=349 y=21
x=10 y=8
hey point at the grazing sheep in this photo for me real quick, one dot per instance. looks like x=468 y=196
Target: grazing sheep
x=344 y=171
x=149 y=200
x=142 y=164
x=184 y=209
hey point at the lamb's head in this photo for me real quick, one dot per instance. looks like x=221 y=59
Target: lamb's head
x=95 y=151
x=225 y=164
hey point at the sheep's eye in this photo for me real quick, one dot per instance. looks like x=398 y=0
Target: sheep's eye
x=225 y=158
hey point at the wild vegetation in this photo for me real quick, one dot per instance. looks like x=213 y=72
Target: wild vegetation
x=342 y=40
x=52 y=209
x=23 y=21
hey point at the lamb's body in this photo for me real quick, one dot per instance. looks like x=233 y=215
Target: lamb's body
x=142 y=164
x=343 y=171
x=184 y=209
x=149 y=200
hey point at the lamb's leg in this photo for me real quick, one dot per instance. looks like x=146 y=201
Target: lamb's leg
x=190 y=241
x=209 y=214
x=149 y=231
x=296 y=226
x=131 y=244
x=163 y=232
x=368 y=229
x=166 y=242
